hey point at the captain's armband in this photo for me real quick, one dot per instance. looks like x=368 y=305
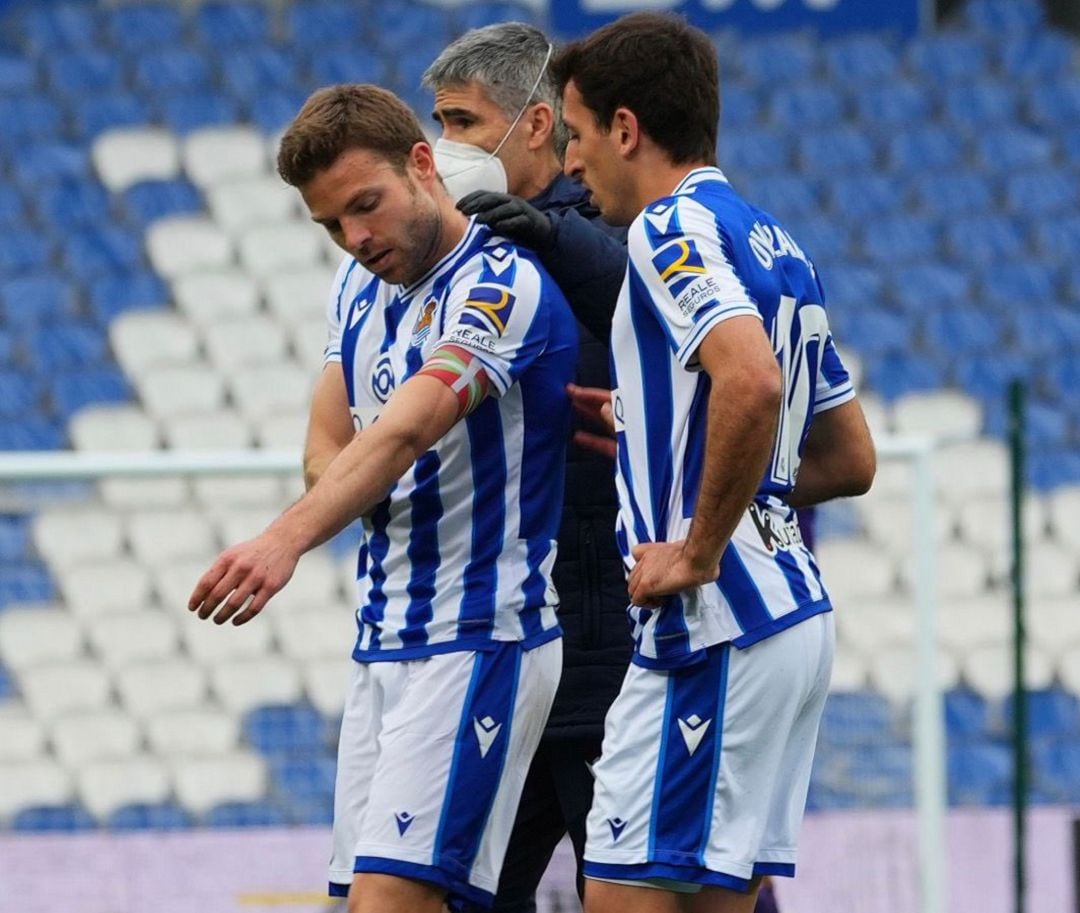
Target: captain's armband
x=462 y=372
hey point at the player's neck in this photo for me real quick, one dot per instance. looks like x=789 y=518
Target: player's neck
x=659 y=177
x=452 y=224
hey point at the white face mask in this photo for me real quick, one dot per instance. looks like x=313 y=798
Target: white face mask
x=465 y=168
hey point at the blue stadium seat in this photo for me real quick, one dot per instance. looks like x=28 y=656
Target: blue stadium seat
x=409 y=67
x=188 y=112
x=72 y=390
x=883 y=774
x=110 y=110
x=170 y=71
x=50 y=27
x=778 y=58
x=1012 y=148
x=149 y=200
x=304 y=786
x=979 y=773
x=12 y=207
x=140 y=27
x=823 y=239
x=110 y=296
x=932 y=287
x=488 y=12
x=232 y=24
x=899 y=102
x=1058 y=238
x=844 y=149
x=22 y=253
x=1003 y=17
x=980 y=105
x=1049 y=468
x=248 y=71
x=167 y=816
x=53 y=818
x=865 y=195
x=962 y=331
x=985 y=240
x=36 y=297
x=14 y=537
x=1050 y=712
x=739 y=107
x=1045 y=56
x=271 y=111
x=17 y=74
x=755 y=151
x=75 y=73
x=247 y=814
x=856 y=718
x=967 y=714
x=988 y=376
x=317 y=23
x=1070 y=146
x=27 y=581
x=861 y=60
x=784 y=197
x=310 y=812
x=900 y=239
x=926 y=148
x=399 y=25
x=29 y=117
x=57 y=347
x=807 y=105
x=51 y=162
x=20 y=394
x=1046 y=192
x=286 y=729
x=947 y=57
x=1056 y=104
x=1044 y=330
x=1021 y=285
x=1056 y=767
x=111 y=250
x=73 y=202
x=895 y=373
x=9 y=349
x=849 y=286
x=949 y=194
x=330 y=66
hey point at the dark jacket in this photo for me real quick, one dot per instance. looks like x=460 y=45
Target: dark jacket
x=588 y=261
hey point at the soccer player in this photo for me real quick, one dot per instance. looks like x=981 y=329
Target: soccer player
x=731 y=408
x=454 y=348
x=501 y=149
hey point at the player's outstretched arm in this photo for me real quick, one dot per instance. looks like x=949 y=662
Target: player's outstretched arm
x=838 y=457
x=330 y=426
x=419 y=413
x=744 y=406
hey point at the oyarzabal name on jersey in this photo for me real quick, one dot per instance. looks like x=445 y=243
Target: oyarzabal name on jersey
x=770 y=242
x=698 y=291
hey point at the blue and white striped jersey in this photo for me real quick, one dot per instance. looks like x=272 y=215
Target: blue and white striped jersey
x=697 y=258
x=459 y=554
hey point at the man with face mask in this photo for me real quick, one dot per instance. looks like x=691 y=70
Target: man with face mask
x=500 y=156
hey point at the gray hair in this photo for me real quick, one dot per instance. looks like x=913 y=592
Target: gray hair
x=505 y=59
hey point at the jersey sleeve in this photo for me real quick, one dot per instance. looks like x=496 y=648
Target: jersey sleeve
x=336 y=303
x=494 y=310
x=834 y=386
x=678 y=253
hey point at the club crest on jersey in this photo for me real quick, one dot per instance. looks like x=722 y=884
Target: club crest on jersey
x=678 y=264
x=488 y=308
x=422 y=329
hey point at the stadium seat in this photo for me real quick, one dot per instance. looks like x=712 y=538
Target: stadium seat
x=926 y=148
x=315 y=631
x=127 y=156
x=21 y=254
x=849 y=670
x=65 y=536
x=989 y=669
x=1050 y=712
x=784 y=197
x=263 y=390
x=208 y=643
x=97 y=735
x=967 y=714
x=965 y=623
x=286 y=729
x=20 y=394
x=113 y=427
x=74 y=389
x=1050 y=332
x=982 y=105
x=219 y=153
x=901 y=239
x=845 y=148
x=14 y=538
x=40 y=782
x=316 y=23
x=341 y=64
x=984 y=522
x=24 y=735
x=213 y=295
x=273 y=111
x=866 y=624
x=741 y=107
x=861 y=60
x=948 y=57
x=74 y=73
x=895 y=374
x=963 y=572
x=78 y=344
x=144 y=341
x=169 y=71
x=73 y=202
x=187 y=244
x=1056 y=104
x=187 y=113
x=161 y=536
x=219 y=430
x=253 y=495
x=283 y=431
x=304 y=785
x=1013 y=148
x=941 y=413
x=51 y=163
x=270 y=248
x=963 y=330
x=893 y=103
x=124 y=638
x=970 y=469
x=17 y=73
x=1003 y=17
x=168 y=391
x=1056 y=768
x=30 y=117
x=297 y=298
x=243 y=684
x=863 y=196
x=1043 y=57
x=110 y=296
x=1064 y=510
x=12 y=207
x=864 y=571
x=150 y=688
x=148 y=201
x=856 y=718
x=232 y=25
x=1020 y=285
x=254 y=340
x=159 y=816
x=779 y=58
x=106 y=251
x=984 y=240
x=52 y=818
x=325 y=681
x=257 y=813
x=27 y=434
x=142 y=26
x=57 y=688
x=202 y=783
x=31 y=637
x=807 y=106
x=195 y=733
x=103 y=586
x=755 y=151
x=924 y=290
x=979 y=773
x=949 y=195
x=107 y=785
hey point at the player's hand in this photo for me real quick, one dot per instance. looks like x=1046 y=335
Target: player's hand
x=510 y=216
x=663 y=569
x=254 y=570
x=594 y=403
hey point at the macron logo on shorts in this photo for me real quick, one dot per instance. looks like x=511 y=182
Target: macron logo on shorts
x=693 y=730
x=487 y=730
x=616 y=825
x=403 y=819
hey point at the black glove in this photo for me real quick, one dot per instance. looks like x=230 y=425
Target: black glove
x=510 y=216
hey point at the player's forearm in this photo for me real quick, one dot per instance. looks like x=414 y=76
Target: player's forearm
x=743 y=413
x=825 y=476
x=317 y=458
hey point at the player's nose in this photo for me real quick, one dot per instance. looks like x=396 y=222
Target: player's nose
x=356 y=233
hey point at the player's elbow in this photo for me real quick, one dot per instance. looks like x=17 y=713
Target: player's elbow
x=861 y=469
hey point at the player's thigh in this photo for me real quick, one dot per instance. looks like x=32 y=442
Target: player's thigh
x=612 y=897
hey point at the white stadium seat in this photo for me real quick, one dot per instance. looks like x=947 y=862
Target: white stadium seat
x=237 y=524
x=285 y=431
x=971 y=469
x=113 y=428
x=215 y=154
x=325 y=683
x=989 y=670
x=265 y=390
x=244 y=684
x=127 y=156
x=103 y=587
x=150 y=688
x=854 y=570
x=133 y=637
x=175 y=581
x=27 y=784
x=244 y=491
x=101 y=735
x=1054 y=626
x=219 y=430
x=187 y=244
x=238 y=206
x=1068 y=668
x=1064 y=508
x=32 y=636
x=208 y=643
x=942 y=414
x=104 y=786
x=849 y=669
x=252 y=340
x=894 y=671
x=269 y=249
x=314 y=585
x=70 y=535
x=987 y=522
x=876 y=413
x=24 y=735
x=132 y=494
x=208 y=296
x=298 y=297
x=202 y=783
x=193 y=733
x=965 y=624
x=870 y=624
x=309 y=344
x=889 y=521
x=160 y=537
x=170 y=391
x=962 y=571
x=316 y=632
x=1051 y=571
x=53 y=690
x=154 y=339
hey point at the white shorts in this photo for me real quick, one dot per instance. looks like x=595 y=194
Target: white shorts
x=431 y=762
x=704 y=770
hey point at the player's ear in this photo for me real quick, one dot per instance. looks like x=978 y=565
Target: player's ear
x=422 y=161
x=540 y=121
x=626 y=131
